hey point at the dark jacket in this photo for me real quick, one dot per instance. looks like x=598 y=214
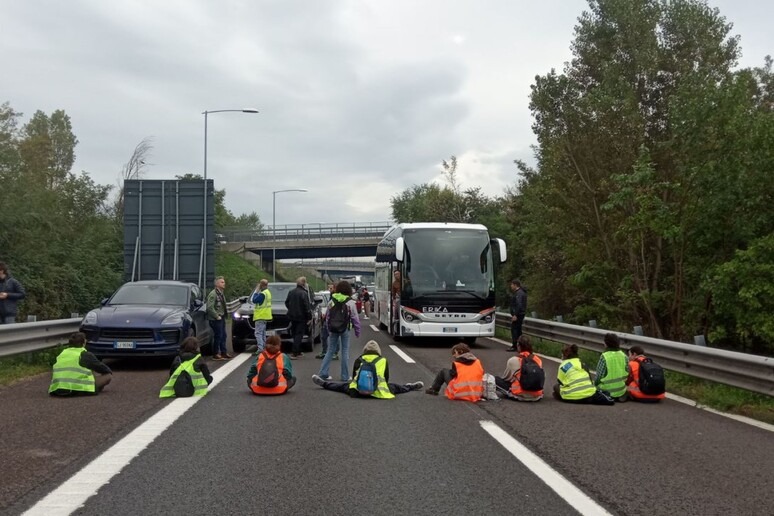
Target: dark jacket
x=298 y=305
x=519 y=302
x=198 y=366
x=15 y=292
x=465 y=358
x=89 y=361
x=358 y=362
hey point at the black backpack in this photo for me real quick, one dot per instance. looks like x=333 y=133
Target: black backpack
x=532 y=376
x=183 y=386
x=652 y=380
x=268 y=375
x=367 y=380
x=338 y=317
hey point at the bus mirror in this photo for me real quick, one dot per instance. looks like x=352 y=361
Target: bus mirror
x=502 y=249
x=399 y=248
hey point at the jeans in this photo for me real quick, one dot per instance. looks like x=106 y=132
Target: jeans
x=7 y=319
x=334 y=340
x=219 y=342
x=516 y=328
x=395 y=388
x=443 y=376
x=324 y=338
x=260 y=335
x=297 y=329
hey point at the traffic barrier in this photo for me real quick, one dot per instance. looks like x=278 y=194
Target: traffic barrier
x=20 y=338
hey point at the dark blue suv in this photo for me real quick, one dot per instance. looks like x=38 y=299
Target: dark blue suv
x=148 y=318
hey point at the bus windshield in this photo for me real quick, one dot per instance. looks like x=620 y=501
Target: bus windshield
x=455 y=262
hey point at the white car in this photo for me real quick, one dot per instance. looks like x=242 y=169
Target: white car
x=326 y=299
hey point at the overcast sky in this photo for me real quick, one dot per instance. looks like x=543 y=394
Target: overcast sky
x=358 y=99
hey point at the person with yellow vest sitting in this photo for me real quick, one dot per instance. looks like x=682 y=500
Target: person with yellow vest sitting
x=272 y=371
x=574 y=382
x=77 y=371
x=510 y=384
x=261 y=298
x=188 y=375
x=612 y=369
x=371 y=378
x=465 y=379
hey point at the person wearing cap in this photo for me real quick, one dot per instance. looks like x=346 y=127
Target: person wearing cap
x=372 y=353
x=77 y=371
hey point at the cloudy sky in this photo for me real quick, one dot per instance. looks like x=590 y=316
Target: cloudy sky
x=358 y=99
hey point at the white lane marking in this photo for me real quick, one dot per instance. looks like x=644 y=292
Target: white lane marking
x=374 y=327
x=402 y=355
x=577 y=499
x=680 y=399
x=73 y=493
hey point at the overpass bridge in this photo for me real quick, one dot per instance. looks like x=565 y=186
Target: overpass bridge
x=305 y=241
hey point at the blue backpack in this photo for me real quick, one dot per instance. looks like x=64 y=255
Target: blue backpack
x=367 y=380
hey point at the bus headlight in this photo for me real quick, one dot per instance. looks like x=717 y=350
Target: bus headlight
x=488 y=319
x=407 y=316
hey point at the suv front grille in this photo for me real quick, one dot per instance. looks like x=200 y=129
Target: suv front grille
x=127 y=334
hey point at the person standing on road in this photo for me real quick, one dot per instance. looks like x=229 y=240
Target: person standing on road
x=197 y=377
x=465 y=379
x=518 y=312
x=574 y=383
x=340 y=318
x=299 y=314
x=510 y=381
x=612 y=369
x=366 y=297
x=372 y=354
x=261 y=298
x=272 y=371
x=11 y=292
x=217 y=311
x=324 y=331
x=77 y=371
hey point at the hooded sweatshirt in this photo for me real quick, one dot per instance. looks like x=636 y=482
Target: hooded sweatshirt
x=354 y=318
x=465 y=358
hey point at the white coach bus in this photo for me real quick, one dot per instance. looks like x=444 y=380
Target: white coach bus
x=447 y=280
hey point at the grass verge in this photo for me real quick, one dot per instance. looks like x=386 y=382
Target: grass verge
x=18 y=367
x=709 y=394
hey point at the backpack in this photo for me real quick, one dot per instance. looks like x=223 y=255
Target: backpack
x=367 y=380
x=338 y=317
x=532 y=377
x=651 y=379
x=183 y=387
x=268 y=375
x=490 y=388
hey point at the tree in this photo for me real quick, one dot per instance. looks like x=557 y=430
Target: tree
x=133 y=169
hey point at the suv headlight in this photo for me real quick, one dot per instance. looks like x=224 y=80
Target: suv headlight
x=91 y=318
x=175 y=319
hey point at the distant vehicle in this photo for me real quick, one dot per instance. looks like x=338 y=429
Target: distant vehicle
x=447 y=280
x=243 y=328
x=325 y=299
x=148 y=318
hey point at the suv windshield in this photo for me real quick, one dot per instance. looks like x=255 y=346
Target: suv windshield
x=279 y=291
x=448 y=260
x=151 y=295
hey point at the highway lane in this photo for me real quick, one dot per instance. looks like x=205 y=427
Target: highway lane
x=683 y=461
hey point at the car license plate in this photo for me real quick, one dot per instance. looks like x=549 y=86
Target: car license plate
x=122 y=344
x=450 y=329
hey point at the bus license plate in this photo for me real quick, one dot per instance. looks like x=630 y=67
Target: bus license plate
x=450 y=329
x=124 y=345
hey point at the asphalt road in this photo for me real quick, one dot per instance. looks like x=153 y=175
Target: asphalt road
x=320 y=452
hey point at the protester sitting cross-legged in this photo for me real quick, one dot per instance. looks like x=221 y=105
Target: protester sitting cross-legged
x=272 y=371
x=524 y=377
x=646 y=381
x=371 y=378
x=188 y=375
x=77 y=371
x=574 y=383
x=612 y=369
x=340 y=318
x=464 y=381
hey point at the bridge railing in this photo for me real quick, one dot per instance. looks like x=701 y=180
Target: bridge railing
x=20 y=338
x=315 y=231
x=751 y=372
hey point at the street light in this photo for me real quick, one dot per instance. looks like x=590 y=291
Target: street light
x=274 y=229
x=203 y=277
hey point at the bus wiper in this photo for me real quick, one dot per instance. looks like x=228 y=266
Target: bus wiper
x=471 y=292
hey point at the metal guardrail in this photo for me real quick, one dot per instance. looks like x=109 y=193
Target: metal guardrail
x=317 y=230
x=20 y=338
x=751 y=372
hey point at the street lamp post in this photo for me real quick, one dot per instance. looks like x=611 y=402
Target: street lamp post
x=203 y=276
x=274 y=229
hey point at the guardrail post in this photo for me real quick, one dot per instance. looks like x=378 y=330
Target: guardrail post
x=74 y=315
x=593 y=323
x=699 y=340
x=32 y=318
x=638 y=330
x=559 y=318
x=534 y=315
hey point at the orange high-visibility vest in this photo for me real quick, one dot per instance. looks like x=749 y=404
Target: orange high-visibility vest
x=468 y=385
x=282 y=385
x=516 y=385
x=633 y=382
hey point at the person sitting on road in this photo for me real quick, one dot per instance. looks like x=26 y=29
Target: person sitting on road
x=612 y=369
x=77 y=371
x=510 y=383
x=574 y=381
x=188 y=375
x=633 y=387
x=371 y=377
x=464 y=381
x=272 y=371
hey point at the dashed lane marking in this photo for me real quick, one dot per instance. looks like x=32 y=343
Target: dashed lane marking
x=577 y=499
x=74 y=492
x=402 y=354
x=374 y=327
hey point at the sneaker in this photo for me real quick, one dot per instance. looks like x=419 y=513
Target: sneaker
x=227 y=356
x=415 y=386
x=335 y=356
x=294 y=356
x=432 y=391
x=317 y=380
x=320 y=355
x=218 y=357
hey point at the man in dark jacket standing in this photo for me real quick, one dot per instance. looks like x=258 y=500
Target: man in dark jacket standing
x=299 y=314
x=11 y=292
x=518 y=312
